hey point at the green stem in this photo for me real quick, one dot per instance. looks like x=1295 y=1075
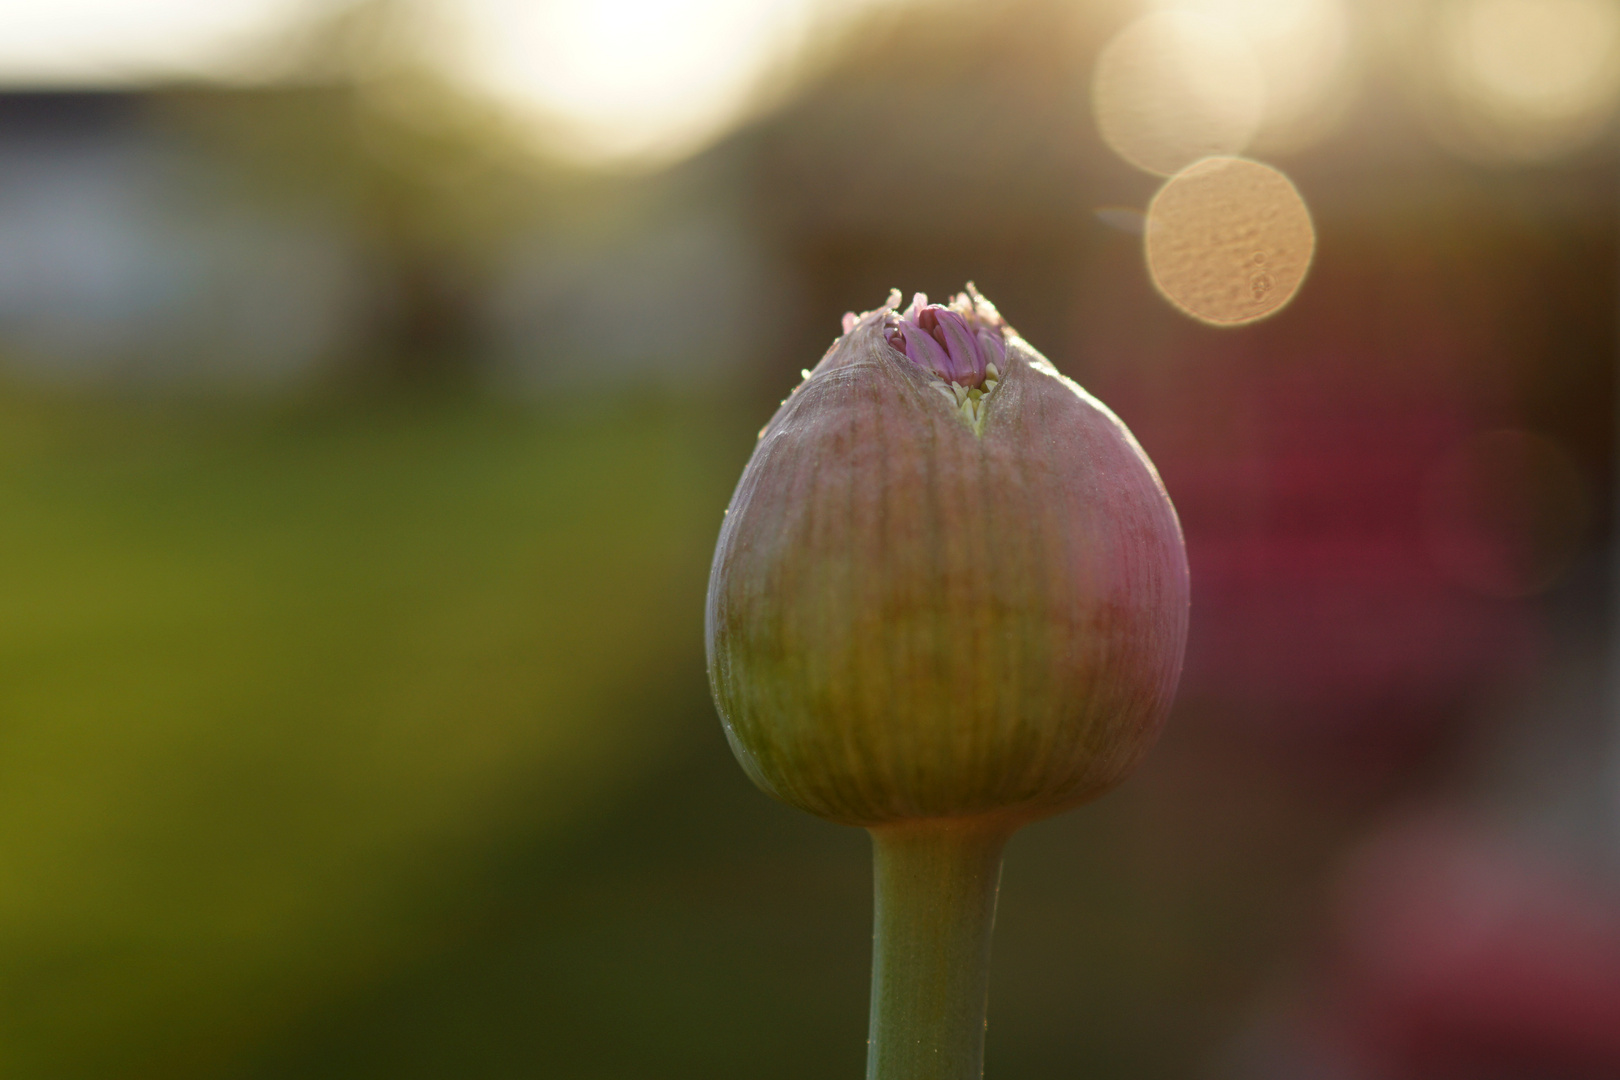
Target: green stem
x=936 y=904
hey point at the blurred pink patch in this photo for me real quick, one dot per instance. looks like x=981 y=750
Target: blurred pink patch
x=1460 y=955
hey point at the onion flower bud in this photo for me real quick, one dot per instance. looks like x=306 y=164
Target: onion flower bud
x=949 y=584
x=949 y=597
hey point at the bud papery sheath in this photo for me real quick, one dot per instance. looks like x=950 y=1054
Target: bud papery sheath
x=950 y=585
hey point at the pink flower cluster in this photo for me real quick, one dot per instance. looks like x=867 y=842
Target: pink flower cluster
x=958 y=341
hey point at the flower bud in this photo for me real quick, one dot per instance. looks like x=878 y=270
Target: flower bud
x=949 y=584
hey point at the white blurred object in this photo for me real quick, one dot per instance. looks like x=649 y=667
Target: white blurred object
x=627 y=79
x=1303 y=50
x=125 y=258
x=1525 y=80
x=680 y=299
x=125 y=42
x=1175 y=87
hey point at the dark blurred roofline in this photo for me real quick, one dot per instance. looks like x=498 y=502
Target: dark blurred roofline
x=42 y=109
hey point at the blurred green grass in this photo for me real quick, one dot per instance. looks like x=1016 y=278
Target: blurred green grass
x=267 y=679
x=375 y=742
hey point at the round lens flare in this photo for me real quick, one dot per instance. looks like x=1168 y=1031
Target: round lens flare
x=1303 y=51
x=1505 y=513
x=1527 y=80
x=1175 y=87
x=624 y=80
x=1229 y=241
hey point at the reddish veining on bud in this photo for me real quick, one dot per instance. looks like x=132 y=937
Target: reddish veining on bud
x=942 y=623
x=920 y=611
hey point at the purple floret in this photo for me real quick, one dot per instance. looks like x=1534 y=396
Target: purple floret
x=956 y=342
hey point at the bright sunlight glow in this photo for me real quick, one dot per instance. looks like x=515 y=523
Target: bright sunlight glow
x=1174 y=87
x=1529 y=79
x=603 y=80
x=628 y=78
x=112 y=42
x=1302 y=48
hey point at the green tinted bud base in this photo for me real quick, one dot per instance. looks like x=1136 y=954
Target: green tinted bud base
x=936 y=904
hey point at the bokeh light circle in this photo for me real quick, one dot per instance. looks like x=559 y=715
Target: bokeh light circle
x=625 y=80
x=1229 y=240
x=1174 y=87
x=1506 y=512
x=1303 y=49
x=1524 y=80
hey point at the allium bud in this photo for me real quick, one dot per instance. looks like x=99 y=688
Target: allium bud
x=949 y=584
x=950 y=596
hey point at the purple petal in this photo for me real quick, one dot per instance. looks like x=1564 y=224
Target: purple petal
x=954 y=342
x=993 y=346
x=924 y=350
x=952 y=331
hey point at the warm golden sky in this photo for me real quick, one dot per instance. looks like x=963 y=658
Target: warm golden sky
x=613 y=77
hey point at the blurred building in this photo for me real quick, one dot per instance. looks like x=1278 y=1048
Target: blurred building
x=676 y=287
x=130 y=254
x=269 y=239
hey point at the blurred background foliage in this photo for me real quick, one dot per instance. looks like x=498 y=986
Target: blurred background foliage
x=365 y=429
